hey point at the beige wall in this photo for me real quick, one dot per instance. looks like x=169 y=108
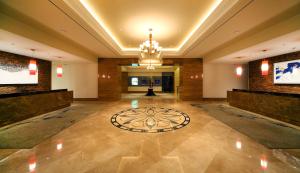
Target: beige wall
x=81 y=78
x=219 y=78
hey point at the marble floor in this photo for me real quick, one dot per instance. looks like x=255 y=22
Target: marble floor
x=95 y=145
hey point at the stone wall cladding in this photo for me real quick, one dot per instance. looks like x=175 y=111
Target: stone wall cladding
x=44 y=79
x=265 y=83
x=283 y=108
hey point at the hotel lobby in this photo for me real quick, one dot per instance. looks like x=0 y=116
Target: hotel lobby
x=139 y=86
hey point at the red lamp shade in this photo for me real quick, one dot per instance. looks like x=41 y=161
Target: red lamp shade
x=239 y=71
x=59 y=70
x=264 y=68
x=32 y=67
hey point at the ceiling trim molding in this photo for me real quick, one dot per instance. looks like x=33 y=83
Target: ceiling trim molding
x=16 y=23
x=61 y=6
x=270 y=31
x=233 y=11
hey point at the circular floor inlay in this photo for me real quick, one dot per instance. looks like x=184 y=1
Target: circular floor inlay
x=150 y=119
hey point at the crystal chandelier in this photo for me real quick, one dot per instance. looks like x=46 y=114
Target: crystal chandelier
x=150 y=55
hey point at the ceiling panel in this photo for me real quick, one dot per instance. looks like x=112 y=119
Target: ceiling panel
x=170 y=20
x=251 y=16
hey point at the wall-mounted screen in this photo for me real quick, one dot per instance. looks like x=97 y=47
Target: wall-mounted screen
x=287 y=72
x=134 y=81
x=144 y=80
x=16 y=74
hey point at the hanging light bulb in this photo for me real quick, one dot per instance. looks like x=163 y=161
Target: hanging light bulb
x=264 y=67
x=59 y=70
x=32 y=67
x=239 y=71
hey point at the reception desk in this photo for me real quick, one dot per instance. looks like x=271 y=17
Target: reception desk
x=19 y=106
x=281 y=106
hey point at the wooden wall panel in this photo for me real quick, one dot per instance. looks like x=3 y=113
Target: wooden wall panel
x=109 y=80
x=191 y=82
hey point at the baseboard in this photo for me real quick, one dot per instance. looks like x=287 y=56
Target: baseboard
x=85 y=99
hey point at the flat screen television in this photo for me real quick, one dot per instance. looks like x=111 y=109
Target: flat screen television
x=287 y=72
x=11 y=74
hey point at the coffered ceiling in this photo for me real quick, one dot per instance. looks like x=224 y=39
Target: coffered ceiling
x=115 y=28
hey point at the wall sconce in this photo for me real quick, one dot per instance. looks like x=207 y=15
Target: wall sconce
x=106 y=76
x=194 y=76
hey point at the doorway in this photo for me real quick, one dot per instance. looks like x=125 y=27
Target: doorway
x=168 y=82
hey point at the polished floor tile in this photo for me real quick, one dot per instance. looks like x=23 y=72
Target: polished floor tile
x=95 y=145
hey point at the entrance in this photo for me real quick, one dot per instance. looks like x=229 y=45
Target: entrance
x=168 y=82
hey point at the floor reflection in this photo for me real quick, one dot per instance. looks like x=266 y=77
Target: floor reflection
x=94 y=145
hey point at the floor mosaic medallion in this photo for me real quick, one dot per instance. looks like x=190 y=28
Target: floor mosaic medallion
x=150 y=119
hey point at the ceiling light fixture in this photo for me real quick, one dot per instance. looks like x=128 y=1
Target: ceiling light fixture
x=32 y=67
x=59 y=70
x=150 y=53
x=239 y=71
x=264 y=67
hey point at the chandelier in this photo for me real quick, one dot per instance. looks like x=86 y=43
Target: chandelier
x=150 y=54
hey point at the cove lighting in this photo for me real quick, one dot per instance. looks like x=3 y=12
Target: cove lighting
x=92 y=12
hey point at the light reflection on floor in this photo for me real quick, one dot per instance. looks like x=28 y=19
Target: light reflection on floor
x=95 y=145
